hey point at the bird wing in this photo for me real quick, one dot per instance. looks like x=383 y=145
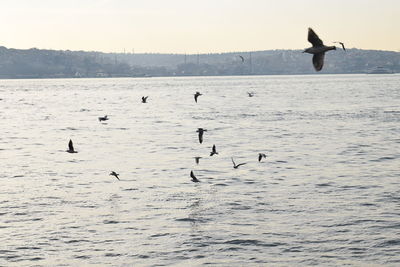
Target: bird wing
x=313 y=38
x=192 y=175
x=241 y=58
x=195 y=97
x=234 y=164
x=200 y=137
x=214 y=149
x=259 y=157
x=70 y=145
x=240 y=164
x=318 y=61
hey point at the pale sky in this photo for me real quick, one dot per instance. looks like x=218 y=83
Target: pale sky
x=197 y=26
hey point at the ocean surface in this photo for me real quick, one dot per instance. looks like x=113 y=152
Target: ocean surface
x=328 y=193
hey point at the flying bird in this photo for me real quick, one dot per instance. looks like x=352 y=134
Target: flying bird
x=201 y=131
x=213 y=151
x=71 y=147
x=251 y=94
x=242 y=58
x=342 y=44
x=318 y=49
x=113 y=173
x=196 y=95
x=144 y=99
x=105 y=118
x=261 y=156
x=236 y=166
x=194 y=178
x=197 y=159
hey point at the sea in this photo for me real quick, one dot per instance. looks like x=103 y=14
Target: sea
x=327 y=193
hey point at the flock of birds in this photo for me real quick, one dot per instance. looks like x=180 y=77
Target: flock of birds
x=318 y=50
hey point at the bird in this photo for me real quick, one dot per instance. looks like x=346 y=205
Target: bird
x=201 y=131
x=196 y=95
x=251 y=94
x=71 y=147
x=144 y=99
x=260 y=156
x=342 y=44
x=197 y=159
x=113 y=173
x=236 y=166
x=213 y=151
x=105 y=118
x=318 y=49
x=242 y=58
x=194 y=178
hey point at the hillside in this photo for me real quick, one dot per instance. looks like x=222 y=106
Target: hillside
x=36 y=63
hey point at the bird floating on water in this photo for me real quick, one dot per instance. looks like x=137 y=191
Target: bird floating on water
x=318 y=49
x=71 y=147
x=261 y=156
x=251 y=94
x=113 y=173
x=105 y=118
x=196 y=95
x=144 y=99
x=201 y=131
x=213 y=151
x=194 y=178
x=342 y=44
x=237 y=166
x=197 y=159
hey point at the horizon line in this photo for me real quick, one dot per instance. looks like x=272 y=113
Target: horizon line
x=183 y=53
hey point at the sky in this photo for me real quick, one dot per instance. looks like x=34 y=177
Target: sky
x=197 y=26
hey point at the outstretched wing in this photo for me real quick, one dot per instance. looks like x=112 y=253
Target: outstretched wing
x=70 y=145
x=313 y=38
x=318 y=61
x=240 y=164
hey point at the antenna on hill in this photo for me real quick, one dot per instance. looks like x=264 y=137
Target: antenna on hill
x=185 y=58
x=198 y=58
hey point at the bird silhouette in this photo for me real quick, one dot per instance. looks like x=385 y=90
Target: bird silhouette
x=242 y=58
x=213 y=151
x=113 y=173
x=197 y=159
x=105 y=118
x=251 y=94
x=318 y=49
x=196 y=95
x=71 y=147
x=261 y=156
x=201 y=132
x=237 y=166
x=194 y=178
x=342 y=44
x=144 y=99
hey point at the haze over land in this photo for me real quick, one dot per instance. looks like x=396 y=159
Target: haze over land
x=35 y=63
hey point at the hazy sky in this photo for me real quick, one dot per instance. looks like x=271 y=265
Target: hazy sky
x=191 y=26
